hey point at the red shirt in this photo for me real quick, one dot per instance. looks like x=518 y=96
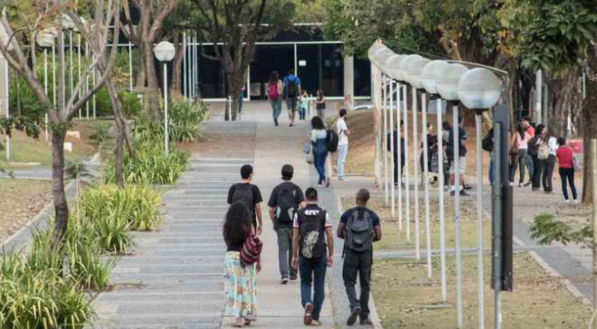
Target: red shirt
x=564 y=155
x=531 y=131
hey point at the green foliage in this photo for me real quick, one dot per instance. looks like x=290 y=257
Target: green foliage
x=131 y=105
x=135 y=206
x=185 y=119
x=546 y=229
x=100 y=134
x=76 y=170
x=552 y=35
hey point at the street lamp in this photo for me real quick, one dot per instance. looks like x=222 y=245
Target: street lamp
x=479 y=89
x=46 y=39
x=164 y=52
x=5 y=38
x=432 y=72
x=447 y=86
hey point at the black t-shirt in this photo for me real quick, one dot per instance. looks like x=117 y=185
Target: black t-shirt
x=234 y=246
x=273 y=199
x=257 y=198
x=348 y=213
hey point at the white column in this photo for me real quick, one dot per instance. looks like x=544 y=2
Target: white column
x=184 y=65
x=166 y=133
x=481 y=312
x=392 y=164
x=456 y=164
x=385 y=133
x=131 y=73
x=71 y=62
x=54 y=96
x=93 y=82
x=399 y=157
x=406 y=166
x=441 y=182
x=87 y=82
x=426 y=182
x=416 y=174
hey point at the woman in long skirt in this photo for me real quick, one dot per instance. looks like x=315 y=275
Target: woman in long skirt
x=240 y=283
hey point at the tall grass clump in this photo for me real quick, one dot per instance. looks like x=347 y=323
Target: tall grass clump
x=185 y=121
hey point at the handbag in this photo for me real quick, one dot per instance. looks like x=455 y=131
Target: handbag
x=307 y=147
x=251 y=251
x=310 y=158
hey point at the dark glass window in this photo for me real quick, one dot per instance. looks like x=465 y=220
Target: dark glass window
x=362 y=77
x=269 y=58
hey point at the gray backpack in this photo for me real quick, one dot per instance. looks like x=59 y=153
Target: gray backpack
x=359 y=232
x=543 y=151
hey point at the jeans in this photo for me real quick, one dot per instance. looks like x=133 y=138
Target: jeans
x=342 y=153
x=241 y=98
x=320 y=165
x=312 y=273
x=567 y=176
x=285 y=251
x=358 y=263
x=302 y=113
x=550 y=164
x=538 y=166
x=276 y=109
x=491 y=170
x=523 y=160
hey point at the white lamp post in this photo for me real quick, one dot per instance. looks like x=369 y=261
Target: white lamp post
x=164 y=52
x=479 y=89
x=381 y=58
x=432 y=72
x=46 y=39
x=4 y=38
x=447 y=87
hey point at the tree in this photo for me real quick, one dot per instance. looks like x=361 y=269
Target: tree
x=152 y=16
x=235 y=26
x=54 y=13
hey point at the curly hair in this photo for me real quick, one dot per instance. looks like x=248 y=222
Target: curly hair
x=237 y=226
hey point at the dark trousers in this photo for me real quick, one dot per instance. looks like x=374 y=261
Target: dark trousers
x=319 y=163
x=312 y=273
x=396 y=168
x=538 y=166
x=550 y=164
x=358 y=264
x=567 y=177
x=285 y=251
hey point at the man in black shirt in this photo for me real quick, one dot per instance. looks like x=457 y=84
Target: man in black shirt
x=402 y=151
x=284 y=202
x=248 y=194
x=359 y=227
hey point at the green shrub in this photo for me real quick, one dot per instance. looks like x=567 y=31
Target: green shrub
x=115 y=210
x=151 y=165
x=185 y=119
x=131 y=105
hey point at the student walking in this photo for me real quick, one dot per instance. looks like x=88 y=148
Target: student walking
x=359 y=227
x=248 y=194
x=395 y=154
x=343 y=133
x=292 y=91
x=320 y=104
x=566 y=163
x=241 y=292
x=275 y=87
x=522 y=158
x=538 y=164
x=461 y=158
x=318 y=138
x=286 y=199
x=312 y=229
x=304 y=105
x=550 y=162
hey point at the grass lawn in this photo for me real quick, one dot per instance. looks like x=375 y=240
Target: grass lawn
x=28 y=150
x=405 y=298
x=20 y=201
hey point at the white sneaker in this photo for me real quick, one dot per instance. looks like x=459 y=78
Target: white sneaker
x=575 y=201
x=567 y=201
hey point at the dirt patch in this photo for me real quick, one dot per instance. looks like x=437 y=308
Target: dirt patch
x=361 y=152
x=405 y=298
x=20 y=201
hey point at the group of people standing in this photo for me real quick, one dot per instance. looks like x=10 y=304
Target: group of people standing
x=536 y=151
x=297 y=98
x=305 y=247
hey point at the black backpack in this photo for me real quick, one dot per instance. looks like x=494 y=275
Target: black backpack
x=244 y=194
x=359 y=232
x=286 y=203
x=312 y=232
x=292 y=87
x=533 y=148
x=487 y=143
x=332 y=140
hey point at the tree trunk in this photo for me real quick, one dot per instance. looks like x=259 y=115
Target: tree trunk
x=121 y=132
x=151 y=94
x=590 y=123
x=60 y=203
x=176 y=86
x=561 y=97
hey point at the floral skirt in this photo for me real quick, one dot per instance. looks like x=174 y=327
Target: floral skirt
x=241 y=289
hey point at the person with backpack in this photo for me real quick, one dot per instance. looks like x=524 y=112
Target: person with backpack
x=313 y=251
x=320 y=104
x=292 y=91
x=275 y=87
x=242 y=262
x=533 y=151
x=248 y=194
x=286 y=199
x=549 y=149
x=566 y=161
x=343 y=133
x=319 y=143
x=359 y=227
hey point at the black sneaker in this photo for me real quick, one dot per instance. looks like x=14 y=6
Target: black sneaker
x=463 y=193
x=467 y=187
x=352 y=319
x=366 y=322
x=293 y=278
x=284 y=281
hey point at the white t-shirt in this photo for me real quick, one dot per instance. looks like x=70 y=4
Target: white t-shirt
x=340 y=127
x=553 y=145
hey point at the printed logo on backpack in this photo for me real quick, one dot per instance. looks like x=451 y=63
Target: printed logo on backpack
x=244 y=194
x=312 y=227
